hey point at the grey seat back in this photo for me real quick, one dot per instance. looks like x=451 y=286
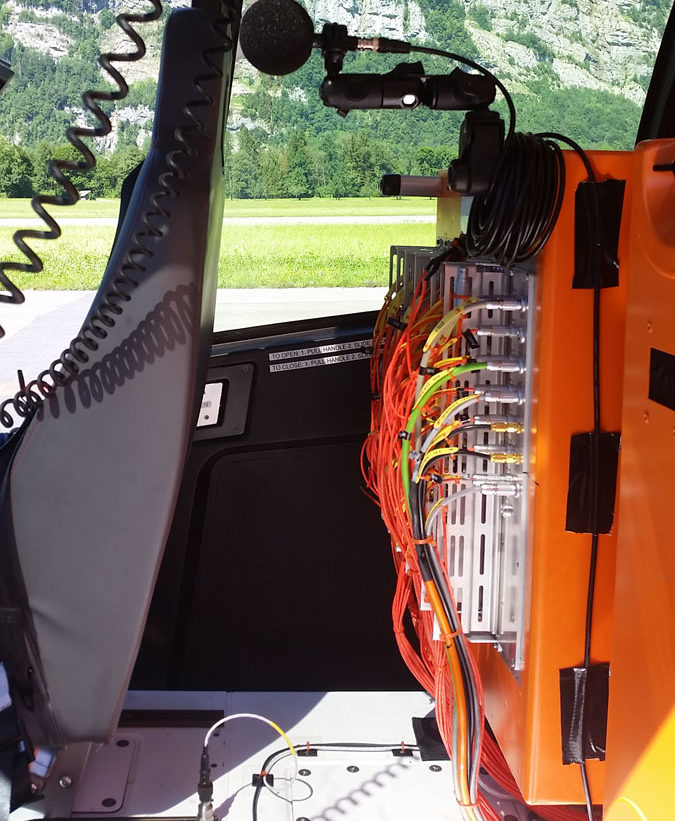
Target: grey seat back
x=91 y=490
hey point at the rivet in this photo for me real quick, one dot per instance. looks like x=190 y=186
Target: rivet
x=352 y=768
x=650 y=326
x=304 y=772
x=645 y=417
x=435 y=768
x=108 y=802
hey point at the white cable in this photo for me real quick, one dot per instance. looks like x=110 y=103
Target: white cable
x=271 y=724
x=448 y=501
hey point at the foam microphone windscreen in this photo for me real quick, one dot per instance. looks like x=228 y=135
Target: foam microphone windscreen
x=276 y=36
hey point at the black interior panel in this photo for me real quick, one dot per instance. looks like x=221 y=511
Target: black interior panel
x=278 y=571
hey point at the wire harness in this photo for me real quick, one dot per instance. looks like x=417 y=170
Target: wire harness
x=425 y=444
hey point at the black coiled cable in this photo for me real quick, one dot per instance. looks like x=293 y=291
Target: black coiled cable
x=513 y=221
x=27 y=400
x=70 y=195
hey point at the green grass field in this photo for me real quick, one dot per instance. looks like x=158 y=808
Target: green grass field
x=278 y=256
x=316 y=207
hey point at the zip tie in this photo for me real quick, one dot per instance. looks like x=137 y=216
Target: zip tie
x=448 y=638
x=404 y=434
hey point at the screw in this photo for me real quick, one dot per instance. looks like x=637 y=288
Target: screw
x=65 y=782
x=435 y=768
x=352 y=768
x=304 y=772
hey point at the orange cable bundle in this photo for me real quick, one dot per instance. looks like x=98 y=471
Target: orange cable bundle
x=404 y=411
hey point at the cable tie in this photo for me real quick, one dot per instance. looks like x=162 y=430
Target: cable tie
x=404 y=434
x=436 y=477
x=448 y=638
x=396 y=323
x=425 y=370
x=430 y=540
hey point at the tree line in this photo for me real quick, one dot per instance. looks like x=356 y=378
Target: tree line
x=24 y=171
x=330 y=165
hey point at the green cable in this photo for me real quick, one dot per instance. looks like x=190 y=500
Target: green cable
x=429 y=389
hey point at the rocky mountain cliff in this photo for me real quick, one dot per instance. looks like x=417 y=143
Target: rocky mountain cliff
x=606 y=46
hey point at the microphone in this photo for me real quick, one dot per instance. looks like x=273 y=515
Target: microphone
x=277 y=37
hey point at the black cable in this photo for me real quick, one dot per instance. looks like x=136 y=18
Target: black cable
x=475 y=724
x=435 y=52
x=335 y=746
x=587 y=791
x=595 y=472
x=428 y=559
x=513 y=221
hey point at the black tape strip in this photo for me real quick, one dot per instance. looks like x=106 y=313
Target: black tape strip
x=662 y=378
x=579 y=492
x=429 y=739
x=597 y=220
x=584 y=697
x=471 y=340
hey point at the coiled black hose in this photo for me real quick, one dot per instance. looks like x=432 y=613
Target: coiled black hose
x=513 y=221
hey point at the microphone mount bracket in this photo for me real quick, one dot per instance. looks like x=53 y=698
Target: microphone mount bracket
x=334 y=42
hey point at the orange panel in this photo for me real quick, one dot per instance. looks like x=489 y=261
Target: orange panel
x=526 y=716
x=641 y=731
